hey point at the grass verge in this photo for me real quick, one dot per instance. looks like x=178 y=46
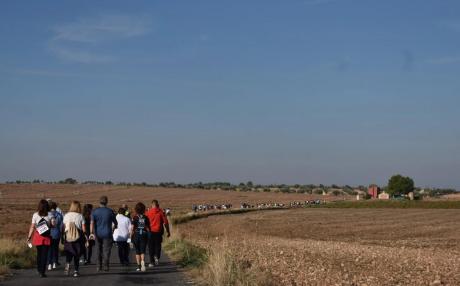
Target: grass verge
x=224 y=268
x=185 y=253
x=395 y=204
x=217 y=266
x=14 y=255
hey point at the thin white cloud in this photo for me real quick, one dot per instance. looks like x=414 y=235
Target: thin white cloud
x=80 y=41
x=102 y=28
x=444 y=61
x=77 y=55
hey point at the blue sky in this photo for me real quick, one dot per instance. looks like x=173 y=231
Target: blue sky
x=313 y=91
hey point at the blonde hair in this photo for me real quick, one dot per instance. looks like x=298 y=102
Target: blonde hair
x=75 y=207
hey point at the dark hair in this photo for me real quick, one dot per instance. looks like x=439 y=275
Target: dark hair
x=139 y=208
x=53 y=205
x=87 y=209
x=121 y=211
x=104 y=200
x=43 y=208
x=155 y=202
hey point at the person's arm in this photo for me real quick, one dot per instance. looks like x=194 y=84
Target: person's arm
x=114 y=222
x=91 y=227
x=147 y=224
x=83 y=228
x=131 y=231
x=31 y=231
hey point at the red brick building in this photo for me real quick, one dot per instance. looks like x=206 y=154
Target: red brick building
x=373 y=191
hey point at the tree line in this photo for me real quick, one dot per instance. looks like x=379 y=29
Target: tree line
x=398 y=185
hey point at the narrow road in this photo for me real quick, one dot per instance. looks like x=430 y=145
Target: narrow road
x=166 y=274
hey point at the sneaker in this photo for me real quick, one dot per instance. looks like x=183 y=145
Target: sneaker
x=50 y=267
x=142 y=266
x=76 y=274
x=54 y=265
x=138 y=268
x=99 y=268
x=157 y=261
x=150 y=265
x=67 y=269
x=82 y=260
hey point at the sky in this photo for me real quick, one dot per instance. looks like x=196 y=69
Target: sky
x=309 y=92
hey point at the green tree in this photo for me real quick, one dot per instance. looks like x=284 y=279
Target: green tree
x=400 y=185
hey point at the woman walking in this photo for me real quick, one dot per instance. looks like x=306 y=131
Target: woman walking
x=139 y=235
x=40 y=235
x=121 y=236
x=88 y=243
x=74 y=232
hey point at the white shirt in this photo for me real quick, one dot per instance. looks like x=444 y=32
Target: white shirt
x=36 y=218
x=74 y=217
x=121 y=233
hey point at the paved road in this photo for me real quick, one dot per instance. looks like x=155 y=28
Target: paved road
x=166 y=274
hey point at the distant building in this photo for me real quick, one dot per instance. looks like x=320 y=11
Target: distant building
x=384 y=196
x=360 y=197
x=411 y=196
x=373 y=191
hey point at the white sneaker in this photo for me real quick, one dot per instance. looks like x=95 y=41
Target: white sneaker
x=157 y=262
x=142 y=266
x=49 y=267
x=54 y=265
x=150 y=265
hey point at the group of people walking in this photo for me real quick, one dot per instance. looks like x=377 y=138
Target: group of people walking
x=82 y=228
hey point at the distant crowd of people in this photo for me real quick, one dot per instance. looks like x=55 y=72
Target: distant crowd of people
x=81 y=229
x=208 y=207
x=305 y=203
x=211 y=207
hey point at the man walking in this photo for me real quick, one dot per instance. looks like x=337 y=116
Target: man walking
x=158 y=222
x=103 y=223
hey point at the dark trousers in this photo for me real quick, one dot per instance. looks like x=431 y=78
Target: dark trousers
x=104 y=248
x=53 y=252
x=88 y=251
x=42 y=258
x=75 y=258
x=123 y=252
x=155 y=240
